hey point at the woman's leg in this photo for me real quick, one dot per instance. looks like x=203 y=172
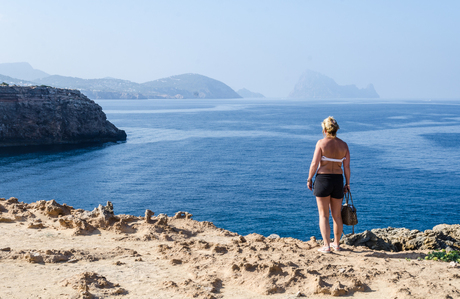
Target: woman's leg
x=336 y=211
x=323 y=210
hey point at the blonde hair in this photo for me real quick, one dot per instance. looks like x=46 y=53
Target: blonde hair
x=330 y=125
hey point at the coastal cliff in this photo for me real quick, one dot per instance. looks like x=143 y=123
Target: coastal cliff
x=44 y=115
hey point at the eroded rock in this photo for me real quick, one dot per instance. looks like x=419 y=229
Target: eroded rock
x=403 y=239
x=88 y=283
x=183 y=215
x=148 y=216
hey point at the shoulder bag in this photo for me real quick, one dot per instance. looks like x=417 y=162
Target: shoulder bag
x=349 y=216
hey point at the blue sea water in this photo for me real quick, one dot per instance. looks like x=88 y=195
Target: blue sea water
x=243 y=164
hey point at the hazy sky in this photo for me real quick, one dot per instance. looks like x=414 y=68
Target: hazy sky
x=407 y=49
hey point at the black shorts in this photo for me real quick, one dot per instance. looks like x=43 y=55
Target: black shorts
x=328 y=185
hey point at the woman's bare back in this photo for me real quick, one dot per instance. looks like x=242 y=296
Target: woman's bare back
x=333 y=148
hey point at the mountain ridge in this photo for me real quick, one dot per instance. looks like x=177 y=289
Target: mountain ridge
x=184 y=86
x=22 y=70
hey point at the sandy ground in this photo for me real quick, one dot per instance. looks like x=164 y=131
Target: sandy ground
x=48 y=250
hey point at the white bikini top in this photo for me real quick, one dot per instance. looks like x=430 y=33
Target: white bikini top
x=324 y=158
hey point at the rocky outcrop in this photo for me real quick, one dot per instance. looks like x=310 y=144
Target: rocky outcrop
x=44 y=115
x=442 y=236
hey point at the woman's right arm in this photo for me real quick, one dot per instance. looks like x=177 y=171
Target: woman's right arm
x=314 y=165
x=346 y=170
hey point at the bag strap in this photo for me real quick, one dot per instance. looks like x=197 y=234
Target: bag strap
x=348 y=196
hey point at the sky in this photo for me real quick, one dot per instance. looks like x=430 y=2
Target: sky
x=406 y=49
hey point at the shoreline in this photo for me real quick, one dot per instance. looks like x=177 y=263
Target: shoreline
x=91 y=254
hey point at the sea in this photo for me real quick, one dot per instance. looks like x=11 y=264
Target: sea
x=243 y=163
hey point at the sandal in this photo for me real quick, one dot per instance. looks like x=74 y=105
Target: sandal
x=325 y=249
x=336 y=248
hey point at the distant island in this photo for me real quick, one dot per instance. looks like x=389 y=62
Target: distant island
x=249 y=94
x=313 y=85
x=185 y=86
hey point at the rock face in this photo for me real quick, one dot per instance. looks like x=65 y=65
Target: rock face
x=45 y=115
x=313 y=85
x=441 y=236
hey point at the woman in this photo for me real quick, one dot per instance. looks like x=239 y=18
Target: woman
x=330 y=154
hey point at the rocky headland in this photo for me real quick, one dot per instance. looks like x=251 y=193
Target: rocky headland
x=40 y=115
x=53 y=250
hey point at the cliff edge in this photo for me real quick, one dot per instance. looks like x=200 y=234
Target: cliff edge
x=44 y=115
x=102 y=254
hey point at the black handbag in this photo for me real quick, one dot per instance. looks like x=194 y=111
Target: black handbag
x=349 y=216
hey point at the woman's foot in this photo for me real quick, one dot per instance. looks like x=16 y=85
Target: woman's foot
x=336 y=247
x=325 y=249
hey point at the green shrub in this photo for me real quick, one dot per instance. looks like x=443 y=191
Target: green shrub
x=451 y=256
